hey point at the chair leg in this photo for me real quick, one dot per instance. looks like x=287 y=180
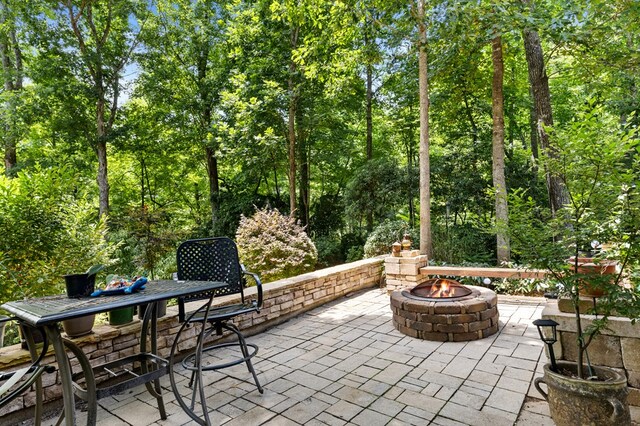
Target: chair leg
x=244 y=348
x=39 y=392
x=245 y=354
x=174 y=387
x=206 y=335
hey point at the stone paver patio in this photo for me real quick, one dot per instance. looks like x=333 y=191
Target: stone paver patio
x=344 y=363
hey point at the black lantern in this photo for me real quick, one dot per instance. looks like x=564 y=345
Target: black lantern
x=549 y=337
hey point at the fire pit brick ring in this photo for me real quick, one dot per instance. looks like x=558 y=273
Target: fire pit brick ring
x=446 y=319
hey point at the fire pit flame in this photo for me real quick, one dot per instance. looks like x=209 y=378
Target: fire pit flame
x=440 y=288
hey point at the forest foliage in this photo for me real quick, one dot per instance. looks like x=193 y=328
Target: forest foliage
x=129 y=126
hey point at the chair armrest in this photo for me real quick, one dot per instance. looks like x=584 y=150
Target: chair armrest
x=4 y=318
x=14 y=383
x=256 y=278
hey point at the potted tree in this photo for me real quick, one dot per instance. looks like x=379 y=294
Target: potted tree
x=599 y=168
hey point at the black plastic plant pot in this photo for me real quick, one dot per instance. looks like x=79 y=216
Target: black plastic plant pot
x=80 y=285
x=162 y=309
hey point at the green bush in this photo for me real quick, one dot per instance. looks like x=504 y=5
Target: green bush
x=274 y=245
x=352 y=243
x=149 y=240
x=329 y=250
x=49 y=229
x=378 y=189
x=387 y=233
x=328 y=215
x=463 y=243
x=231 y=206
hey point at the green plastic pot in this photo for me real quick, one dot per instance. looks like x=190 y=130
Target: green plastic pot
x=121 y=316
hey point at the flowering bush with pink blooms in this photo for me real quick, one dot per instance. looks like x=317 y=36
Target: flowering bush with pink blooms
x=274 y=245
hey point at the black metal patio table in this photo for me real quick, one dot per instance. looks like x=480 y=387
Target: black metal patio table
x=47 y=312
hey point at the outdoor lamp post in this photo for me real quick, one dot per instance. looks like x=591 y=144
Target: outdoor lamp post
x=549 y=337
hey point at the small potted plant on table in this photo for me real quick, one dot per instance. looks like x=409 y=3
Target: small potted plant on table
x=599 y=169
x=81 y=285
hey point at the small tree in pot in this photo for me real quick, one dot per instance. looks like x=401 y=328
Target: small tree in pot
x=600 y=170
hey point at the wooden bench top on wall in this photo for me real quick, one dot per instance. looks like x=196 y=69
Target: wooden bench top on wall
x=460 y=271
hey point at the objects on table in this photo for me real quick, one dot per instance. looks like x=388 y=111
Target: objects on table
x=121 y=286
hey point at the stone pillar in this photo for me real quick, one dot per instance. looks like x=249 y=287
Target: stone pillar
x=404 y=271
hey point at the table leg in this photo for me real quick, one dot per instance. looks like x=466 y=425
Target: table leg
x=151 y=316
x=90 y=394
x=198 y=388
x=64 y=370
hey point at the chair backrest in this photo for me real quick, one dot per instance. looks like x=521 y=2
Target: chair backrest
x=211 y=259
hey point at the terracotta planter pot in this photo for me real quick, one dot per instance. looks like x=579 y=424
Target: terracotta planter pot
x=79 y=326
x=587 y=266
x=574 y=401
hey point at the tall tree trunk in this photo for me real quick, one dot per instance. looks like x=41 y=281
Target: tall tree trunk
x=369 y=106
x=94 y=60
x=303 y=208
x=205 y=126
x=533 y=129
x=542 y=103
x=293 y=104
x=214 y=189
x=426 y=246
x=410 y=176
x=101 y=151
x=369 y=112
x=292 y=147
x=472 y=121
x=369 y=153
x=142 y=192
x=12 y=74
x=499 y=182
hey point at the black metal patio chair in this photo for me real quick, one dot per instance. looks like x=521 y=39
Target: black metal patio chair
x=15 y=383
x=216 y=259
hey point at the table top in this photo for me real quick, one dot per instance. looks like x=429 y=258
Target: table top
x=52 y=309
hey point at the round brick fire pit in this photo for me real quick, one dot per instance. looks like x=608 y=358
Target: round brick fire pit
x=470 y=317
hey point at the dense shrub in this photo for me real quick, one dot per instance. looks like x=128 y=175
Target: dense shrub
x=275 y=246
x=329 y=250
x=231 y=206
x=327 y=217
x=48 y=229
x=149 y=240
x=352 y=246
x=377 y=189
x=385 y=234
x=465 y=243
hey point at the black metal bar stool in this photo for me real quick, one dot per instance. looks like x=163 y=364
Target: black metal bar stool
x=214 y=259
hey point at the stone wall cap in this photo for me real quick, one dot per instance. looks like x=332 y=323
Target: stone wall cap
x=410 y=253
x=616 y=326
